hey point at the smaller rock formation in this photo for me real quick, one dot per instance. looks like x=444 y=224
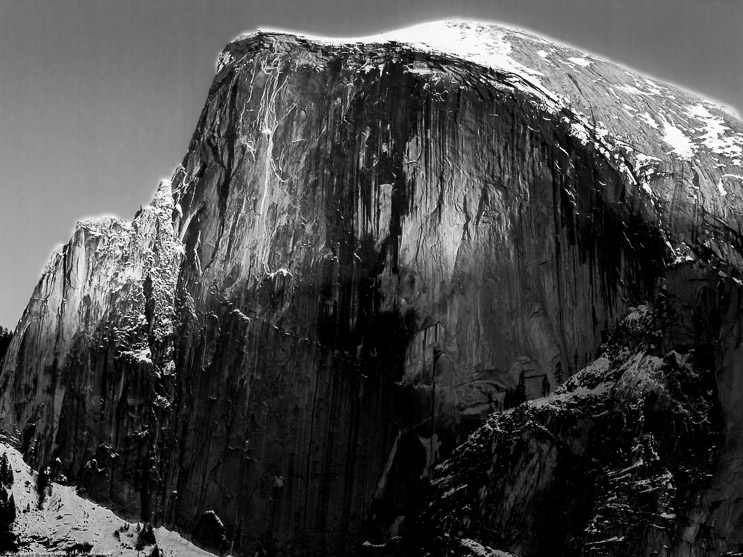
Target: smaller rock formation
x=615 y=462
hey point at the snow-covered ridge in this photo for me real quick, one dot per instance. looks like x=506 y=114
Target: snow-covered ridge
x=624 y=115
x=482 y=43
x=485 y=43
x=489 y=46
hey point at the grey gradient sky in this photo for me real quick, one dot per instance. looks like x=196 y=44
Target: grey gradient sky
x=99 y=98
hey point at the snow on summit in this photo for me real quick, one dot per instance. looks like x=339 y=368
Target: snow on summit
x=640 y=126
x=476 y=42
x=566 y=79
x=482 y=43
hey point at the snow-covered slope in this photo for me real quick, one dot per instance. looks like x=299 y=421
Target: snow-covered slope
x=567 y=77
x=65 y=521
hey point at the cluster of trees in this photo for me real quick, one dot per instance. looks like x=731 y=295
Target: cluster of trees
x=145 y=536
x=7 y=507
x=516 y=396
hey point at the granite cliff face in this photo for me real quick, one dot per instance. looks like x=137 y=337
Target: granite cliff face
x=368 y=244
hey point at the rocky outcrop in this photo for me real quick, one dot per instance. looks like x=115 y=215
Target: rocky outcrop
x=615 y=463
x=92 y=359
x=365 y=249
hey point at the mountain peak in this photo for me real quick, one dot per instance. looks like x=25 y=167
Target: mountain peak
x=637 y=123
x=371 y=245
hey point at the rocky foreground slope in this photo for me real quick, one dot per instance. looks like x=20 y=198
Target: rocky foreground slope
x=621 y=460
x=370 y=246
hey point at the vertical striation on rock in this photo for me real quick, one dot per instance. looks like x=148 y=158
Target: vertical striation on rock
x=367 y=249
x=88 y=370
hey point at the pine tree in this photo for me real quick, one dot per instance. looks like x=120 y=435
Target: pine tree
x=546 y=388
x=6 y=473
x=508 y=399
x=42 y=483
x=520 y=395
x=145 y=537
x=7 y=518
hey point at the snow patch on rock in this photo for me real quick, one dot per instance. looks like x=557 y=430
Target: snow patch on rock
x=715 y=135
x=680 y=143
x=481 y=551
x=649 y=120
x=580 y=61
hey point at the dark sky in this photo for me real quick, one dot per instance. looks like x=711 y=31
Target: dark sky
x=98 y=98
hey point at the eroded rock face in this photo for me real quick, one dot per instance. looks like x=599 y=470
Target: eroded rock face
x=365 y=248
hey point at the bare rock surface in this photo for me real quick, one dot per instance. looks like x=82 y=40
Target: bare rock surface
x=369 y=244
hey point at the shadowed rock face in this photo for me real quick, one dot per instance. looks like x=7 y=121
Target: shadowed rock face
x=621 y=461
x=366 y=246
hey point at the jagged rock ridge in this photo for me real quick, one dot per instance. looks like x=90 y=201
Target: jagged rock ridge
x=367 y=245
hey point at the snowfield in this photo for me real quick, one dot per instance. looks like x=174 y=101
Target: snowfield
x=68 y=522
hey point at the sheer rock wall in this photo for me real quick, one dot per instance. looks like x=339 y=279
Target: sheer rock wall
x=365 y=247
